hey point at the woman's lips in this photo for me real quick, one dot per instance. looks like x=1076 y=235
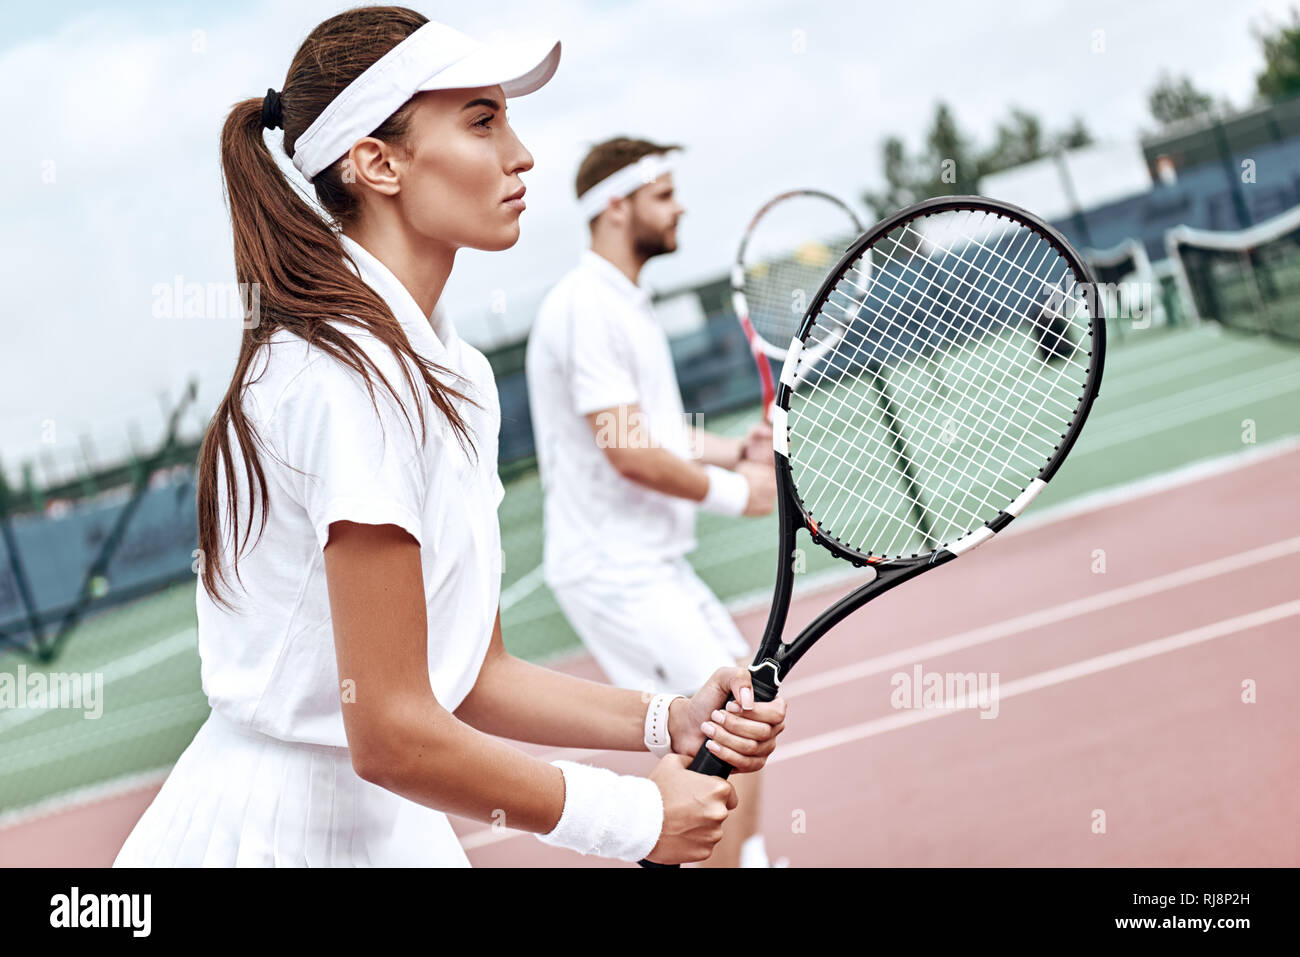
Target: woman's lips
x=516 y=199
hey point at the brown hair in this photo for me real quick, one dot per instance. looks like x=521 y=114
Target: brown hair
x=296 y=258
x=609 y=157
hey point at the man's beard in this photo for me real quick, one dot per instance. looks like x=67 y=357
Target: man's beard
x=649 y=244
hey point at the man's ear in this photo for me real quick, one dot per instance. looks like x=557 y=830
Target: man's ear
x=618 y=210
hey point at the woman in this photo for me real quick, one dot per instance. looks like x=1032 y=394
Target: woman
x=348 y=609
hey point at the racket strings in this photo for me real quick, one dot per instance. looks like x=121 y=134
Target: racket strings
x=952 y=501
x=932 y=411
x=976 y=402
x=778 y=292
x=789 y=248
x=951 y=327
x=982 y=406
x=1000 y=420
x=948 y=499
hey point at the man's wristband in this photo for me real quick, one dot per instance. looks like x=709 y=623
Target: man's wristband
x=728 y=492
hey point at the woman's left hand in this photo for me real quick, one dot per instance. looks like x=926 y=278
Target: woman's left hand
x=742 y=736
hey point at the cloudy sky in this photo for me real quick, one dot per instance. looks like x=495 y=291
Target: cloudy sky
x=112 y=113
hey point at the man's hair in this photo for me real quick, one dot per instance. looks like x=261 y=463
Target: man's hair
x=609 y=157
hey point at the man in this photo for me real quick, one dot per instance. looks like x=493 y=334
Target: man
x=622 y=473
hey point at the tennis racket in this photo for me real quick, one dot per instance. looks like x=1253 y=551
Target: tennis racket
x=965 y=359
x=786 y=251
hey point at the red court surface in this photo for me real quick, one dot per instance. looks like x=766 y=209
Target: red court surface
x=1119 y=704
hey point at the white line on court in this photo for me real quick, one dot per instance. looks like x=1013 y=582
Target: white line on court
x=518 y=590
x=81 y=797
x=910 y=656
x=1043 y=617
x=132 y=664
x=1134 y=353
x=1222 y=354
x=1283 y=371
x=1193 y=411
x=125 y=724
x=1045 y=679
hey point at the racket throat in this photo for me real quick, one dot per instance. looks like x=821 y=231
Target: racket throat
x=765 y=676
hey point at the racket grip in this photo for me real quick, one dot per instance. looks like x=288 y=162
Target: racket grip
x=706 y=762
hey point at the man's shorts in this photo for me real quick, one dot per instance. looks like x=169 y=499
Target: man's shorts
x=655 y=627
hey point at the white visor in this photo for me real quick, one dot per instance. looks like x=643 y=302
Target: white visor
x=434 y=57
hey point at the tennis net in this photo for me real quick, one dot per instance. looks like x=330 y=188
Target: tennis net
x=1133 y=292
x=1247 y=280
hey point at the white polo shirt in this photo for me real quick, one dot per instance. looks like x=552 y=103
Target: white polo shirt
x=270 y=664
x=596 y=344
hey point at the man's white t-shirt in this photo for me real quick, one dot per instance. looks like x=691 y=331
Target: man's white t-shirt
x=596 y=345
x=329 y=456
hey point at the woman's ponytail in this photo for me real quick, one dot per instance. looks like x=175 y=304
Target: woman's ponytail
x=292 y=256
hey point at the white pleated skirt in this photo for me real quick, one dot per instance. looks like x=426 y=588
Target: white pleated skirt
x=238 y=798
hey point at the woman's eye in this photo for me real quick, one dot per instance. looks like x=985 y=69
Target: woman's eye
x=486 y=120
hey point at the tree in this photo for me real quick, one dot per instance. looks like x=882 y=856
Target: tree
x=951 y=164
x=1173 y=100
x=898 y=180
x=1020 y=140
x=1076 y=137
x=1281 y=76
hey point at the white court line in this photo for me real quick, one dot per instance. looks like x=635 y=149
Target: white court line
x=132 y=664
x=118 y=730
x=1045 y=679
x=521 y=588
x=1154 y=484
x=1284 y=371
x=81 y=797
x=1192 y=412
x=907 y=657
x=1222 y=354
x=1133 y=353
x=1043 y=617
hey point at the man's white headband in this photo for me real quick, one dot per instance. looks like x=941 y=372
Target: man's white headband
x=625 y=182
x=434 y=57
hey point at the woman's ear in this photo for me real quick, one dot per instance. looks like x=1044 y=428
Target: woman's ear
x=374 y=163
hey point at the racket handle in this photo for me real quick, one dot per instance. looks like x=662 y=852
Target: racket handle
x=706 y=762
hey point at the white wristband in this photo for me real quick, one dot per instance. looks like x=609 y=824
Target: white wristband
x=657 y=740
x=728 y=492
x=607 y=814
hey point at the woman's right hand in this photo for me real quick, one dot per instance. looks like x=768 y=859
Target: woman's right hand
x=695 y=806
